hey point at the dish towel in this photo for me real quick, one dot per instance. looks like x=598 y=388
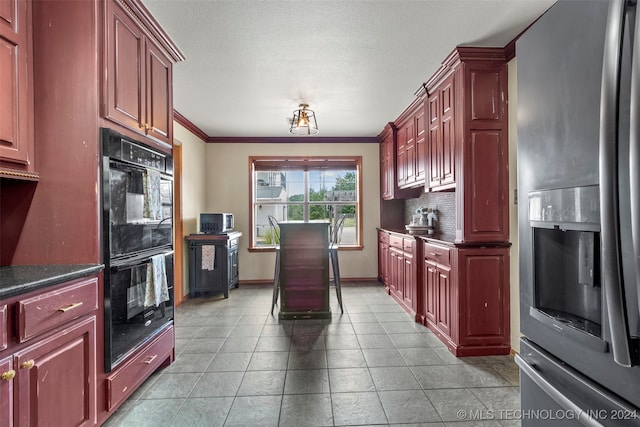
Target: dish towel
x=157 y=290
x=208 y=257
x=152 y=203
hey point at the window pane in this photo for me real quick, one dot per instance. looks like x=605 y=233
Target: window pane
x=292 y=192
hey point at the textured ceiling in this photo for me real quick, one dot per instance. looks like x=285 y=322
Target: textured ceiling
x=357 y=63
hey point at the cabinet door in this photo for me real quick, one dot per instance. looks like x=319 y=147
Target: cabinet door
x=421 y=144
x=430 y=273
x=410 y=149
x=16 y=83
x=125 y=72
x=388 y=176
x=444 y=300
x=448 y=137
x=434 y=150
x=56 y=378
x=393 y=271
x=410 y=291
x=233 y=266
x=6 y=391
x=158 y=111
x=484 y=296
x=401 y=157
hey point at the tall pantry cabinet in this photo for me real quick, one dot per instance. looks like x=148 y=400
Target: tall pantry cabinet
x=95 y=63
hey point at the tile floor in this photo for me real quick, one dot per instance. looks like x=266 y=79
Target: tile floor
x=236 y=365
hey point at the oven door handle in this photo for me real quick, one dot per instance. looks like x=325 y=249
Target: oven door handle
x=137 y=263
x=580 y=414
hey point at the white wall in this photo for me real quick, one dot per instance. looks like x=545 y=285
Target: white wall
x=513 y=208
x=193 y=186
x=227 y=190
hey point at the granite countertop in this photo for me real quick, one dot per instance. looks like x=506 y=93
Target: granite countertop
x=436 y=237
x=20 y=279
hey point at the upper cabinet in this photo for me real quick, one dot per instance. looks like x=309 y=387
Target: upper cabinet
x=468 y=140
x=389 y=172
x=16 y=87
x=139 y=67
x=411 y=146
x=441 y=137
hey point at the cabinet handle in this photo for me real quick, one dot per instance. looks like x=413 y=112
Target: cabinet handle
x=70 y=307
x=433 y=254
x=28 y=364
x=8 y=376
x=146 y=127
x=150 y=359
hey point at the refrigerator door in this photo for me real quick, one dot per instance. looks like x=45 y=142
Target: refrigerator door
x=557 y=395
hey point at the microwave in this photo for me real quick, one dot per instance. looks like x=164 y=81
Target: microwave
x=213 y=223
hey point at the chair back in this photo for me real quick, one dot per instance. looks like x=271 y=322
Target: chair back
x=275 y=230
x=336 y=230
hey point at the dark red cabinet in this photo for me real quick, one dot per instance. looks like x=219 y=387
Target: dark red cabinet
x=16 y=87
x=139 y=73
x=468 y=140
x=403 y=283
x=466 y=298
x=411 y=146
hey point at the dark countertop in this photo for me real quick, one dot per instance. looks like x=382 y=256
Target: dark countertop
x=20 y=279
x=436 y=237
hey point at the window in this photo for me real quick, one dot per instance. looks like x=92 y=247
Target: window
x=306 y=189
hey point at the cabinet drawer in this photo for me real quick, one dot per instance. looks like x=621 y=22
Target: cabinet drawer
x=129 y=376
x=51 y=309
x=383 y=237
x=439 y=254
x=396 y=242
x=408 y=245
x=3 y=326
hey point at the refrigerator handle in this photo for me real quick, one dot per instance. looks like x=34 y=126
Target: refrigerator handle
x=634 y=148
x=582 y=415
x=608 y=172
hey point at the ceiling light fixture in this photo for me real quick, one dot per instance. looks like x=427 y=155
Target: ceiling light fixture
x=304 y=121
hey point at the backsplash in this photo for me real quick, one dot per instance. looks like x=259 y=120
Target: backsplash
x=445 y=204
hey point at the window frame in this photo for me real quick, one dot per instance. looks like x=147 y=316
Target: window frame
x=306 y=163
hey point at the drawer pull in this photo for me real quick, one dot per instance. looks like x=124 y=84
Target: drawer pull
x=8 y=376
x=28 y=364
x=434 y=254
x=150 y=359
x=71 y=307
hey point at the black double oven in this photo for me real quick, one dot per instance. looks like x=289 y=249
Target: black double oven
x=137 y=244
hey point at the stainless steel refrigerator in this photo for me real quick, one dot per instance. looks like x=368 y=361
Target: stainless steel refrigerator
x=578 y=91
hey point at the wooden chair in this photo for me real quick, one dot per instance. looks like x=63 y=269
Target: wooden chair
x=275 y=237
x=335 y=235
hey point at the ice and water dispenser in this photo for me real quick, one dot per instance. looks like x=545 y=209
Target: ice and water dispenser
x=566 y=250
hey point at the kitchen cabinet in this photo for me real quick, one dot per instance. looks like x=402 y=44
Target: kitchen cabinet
x=389 y=188
x=213 y=263
x=16 y=87
x=52 y=342
x=383 y=258
x=438 y=289
x=468 y=140
x=403 y=272
x=138 y=84
x=441 y=152
x=483 y=301
x=411 y=146
x=466 y=298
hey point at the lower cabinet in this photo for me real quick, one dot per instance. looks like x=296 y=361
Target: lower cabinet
x=7 y=374
x=63 y=363
x=48 y=368
x=466 y=298
x=403 y=270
